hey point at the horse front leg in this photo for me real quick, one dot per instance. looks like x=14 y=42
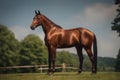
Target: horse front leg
x=51 y=60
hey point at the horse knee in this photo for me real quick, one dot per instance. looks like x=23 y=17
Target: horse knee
x=53 y=59
x=82 y=57
x=92 y=57
x=49 y=70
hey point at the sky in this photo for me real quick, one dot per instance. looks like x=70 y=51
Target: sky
x=96 y=15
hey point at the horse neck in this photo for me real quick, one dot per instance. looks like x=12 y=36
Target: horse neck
x=47 y=24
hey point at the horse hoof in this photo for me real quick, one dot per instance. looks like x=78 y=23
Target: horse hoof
x=94 y=72
x=50 y=73
x=79 y=72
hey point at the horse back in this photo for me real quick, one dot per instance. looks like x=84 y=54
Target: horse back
x=61 y=38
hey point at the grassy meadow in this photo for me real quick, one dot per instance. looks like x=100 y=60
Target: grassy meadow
x=62 y=76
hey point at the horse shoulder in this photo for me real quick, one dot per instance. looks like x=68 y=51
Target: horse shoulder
x=53 y=37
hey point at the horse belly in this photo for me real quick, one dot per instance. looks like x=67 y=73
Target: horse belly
x=65 y=46
x=67 y=42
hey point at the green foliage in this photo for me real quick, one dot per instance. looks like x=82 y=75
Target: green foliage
x=32 y=51
x=104 y=63
x=116 y=22
x=62 y=76
x=117 y=65
x=87 y=64
x=66 y=57
x=9 y=48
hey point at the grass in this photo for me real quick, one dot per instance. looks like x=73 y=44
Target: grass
x=62 y=76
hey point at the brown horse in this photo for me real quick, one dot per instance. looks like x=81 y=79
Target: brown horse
x=57 y=37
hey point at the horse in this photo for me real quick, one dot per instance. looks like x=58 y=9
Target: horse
x=57 y=37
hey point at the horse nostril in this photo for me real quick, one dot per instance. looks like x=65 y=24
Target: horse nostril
x=32 y=28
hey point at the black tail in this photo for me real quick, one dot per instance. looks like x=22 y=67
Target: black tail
x=95 y=52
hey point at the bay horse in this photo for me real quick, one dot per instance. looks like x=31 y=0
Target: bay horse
x=57 y=37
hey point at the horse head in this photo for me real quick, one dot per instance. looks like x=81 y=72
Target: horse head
x=36 y=20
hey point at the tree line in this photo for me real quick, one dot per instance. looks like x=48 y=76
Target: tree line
x=32 y=51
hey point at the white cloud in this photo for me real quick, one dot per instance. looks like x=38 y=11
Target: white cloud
x=99 y=13
x=95 y=15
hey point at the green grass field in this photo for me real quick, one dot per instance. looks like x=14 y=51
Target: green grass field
x=62 y=76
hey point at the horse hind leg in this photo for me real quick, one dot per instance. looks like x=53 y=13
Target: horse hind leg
x=80 y=55
x=91 y=57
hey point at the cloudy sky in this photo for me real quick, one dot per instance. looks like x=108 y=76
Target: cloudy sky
x=95 y=15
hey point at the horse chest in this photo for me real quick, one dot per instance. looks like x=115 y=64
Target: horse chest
x=50 y=41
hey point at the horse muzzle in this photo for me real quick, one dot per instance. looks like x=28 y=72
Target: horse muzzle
x=32 y=28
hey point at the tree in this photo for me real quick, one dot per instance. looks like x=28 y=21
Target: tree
x=32 y=50
x=116 y=27
x=9 y=48
x=67 y=58
x=117 y=66
x=116 y=22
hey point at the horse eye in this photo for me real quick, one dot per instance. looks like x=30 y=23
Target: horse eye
x=35 y=18
x=38 y=17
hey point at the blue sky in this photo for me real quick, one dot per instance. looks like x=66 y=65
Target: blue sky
x=95 y=15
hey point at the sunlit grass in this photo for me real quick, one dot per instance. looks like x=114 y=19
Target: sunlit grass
x=62 y=76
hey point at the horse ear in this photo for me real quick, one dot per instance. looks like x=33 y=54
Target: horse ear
x=39 y=12
x=36 y=12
